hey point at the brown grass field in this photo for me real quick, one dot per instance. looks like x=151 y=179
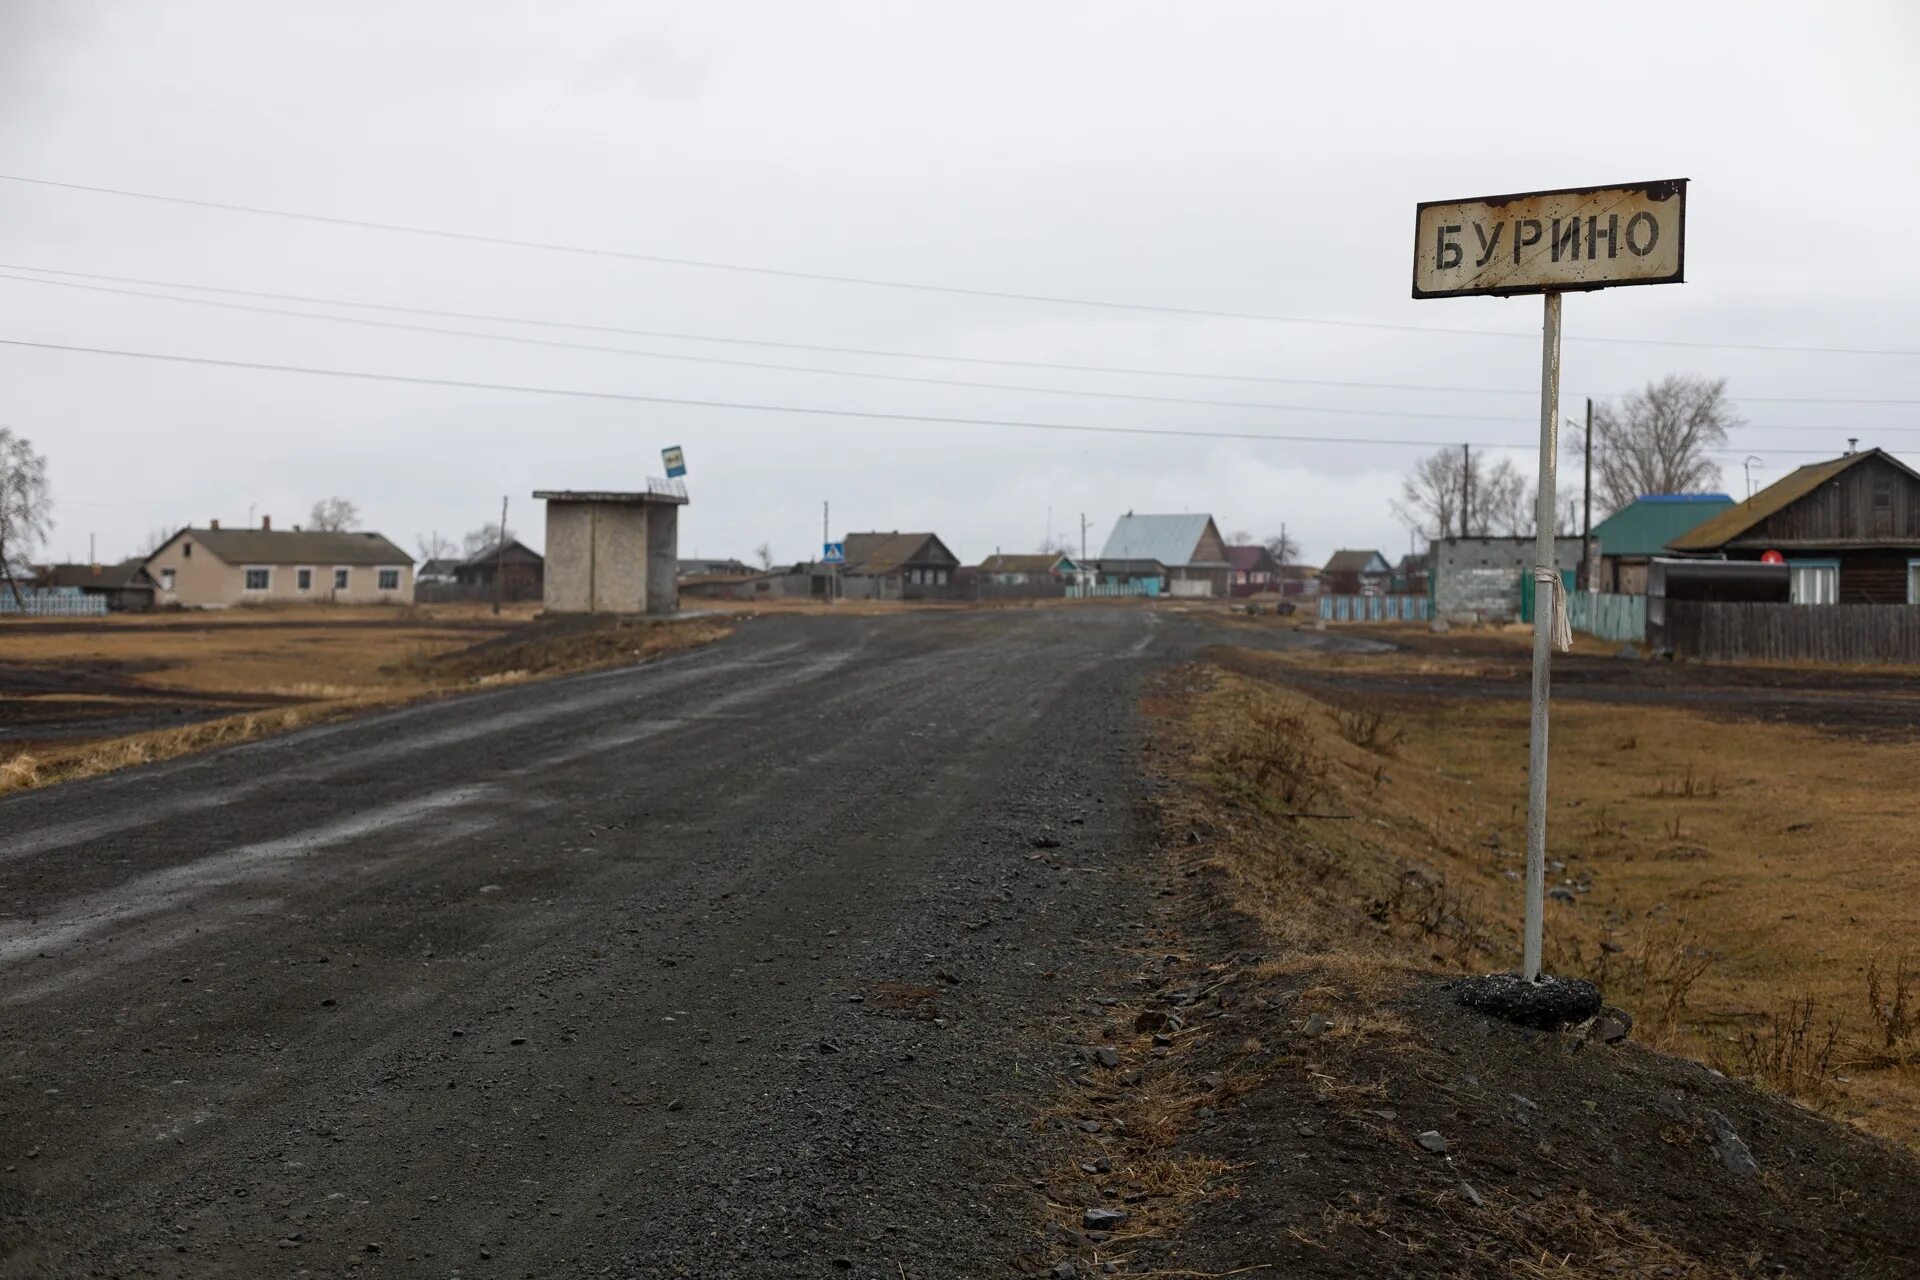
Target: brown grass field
x=1746 y=889
x=84 y=697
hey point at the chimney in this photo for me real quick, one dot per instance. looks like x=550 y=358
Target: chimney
x=266 y=522
x=1853 y=442
x=214 y=525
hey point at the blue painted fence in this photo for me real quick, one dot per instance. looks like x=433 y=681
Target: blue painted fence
x=57 y=602
x=1145 y=587
x=1609 y=616
x=1375 y=608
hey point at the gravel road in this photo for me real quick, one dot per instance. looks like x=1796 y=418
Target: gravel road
x=743 y=963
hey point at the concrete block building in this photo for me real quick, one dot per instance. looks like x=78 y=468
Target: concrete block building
x=613 y=552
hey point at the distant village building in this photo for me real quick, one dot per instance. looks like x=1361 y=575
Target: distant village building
x=1627 y=541
x=1019 y=570
x=436 y=572
x=1848 y=528
x=725 y=568
x=1482 y=578
x=215 y=568
x=123 y=586
x=1356 y=573
x=1254 y=570
x=1189 y=546
x=613 y=551
x=1414 y=574
x=897 y=566
x=518 y=568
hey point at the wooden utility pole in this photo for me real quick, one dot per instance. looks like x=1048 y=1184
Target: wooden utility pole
x=500 y=559
x=1466 y=485
x=1083 y=535
x=1586 y=509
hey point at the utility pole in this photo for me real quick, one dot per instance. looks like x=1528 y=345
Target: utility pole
x=833 y=570
x=1083 y=535
x=1586 y=508
x=1466 y=485
x=500 y=559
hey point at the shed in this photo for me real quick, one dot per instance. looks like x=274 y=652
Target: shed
x=612 y=551
x=1627 y=541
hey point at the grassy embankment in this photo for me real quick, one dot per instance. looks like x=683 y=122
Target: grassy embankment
x=1746 y=890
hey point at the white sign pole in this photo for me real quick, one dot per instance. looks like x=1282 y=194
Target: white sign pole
x=1546 y=609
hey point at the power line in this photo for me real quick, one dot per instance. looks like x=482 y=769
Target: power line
x=6 y=269
x=762 y=364
x=867 y=415
x=472 y=237
x=494 y=318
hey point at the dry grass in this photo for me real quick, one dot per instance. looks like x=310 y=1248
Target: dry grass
x=321 y=669
x=1717 y=910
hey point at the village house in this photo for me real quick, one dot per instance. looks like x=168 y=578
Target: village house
x=1356 y=573
x=1254 y=570
x=1189 y=546
x=215 y=568
x=520 y=569
x=123 y=586
x=1627 y=541
x=897 y=566
x=1018 y=570
x=725 y=568
x=1848 y=529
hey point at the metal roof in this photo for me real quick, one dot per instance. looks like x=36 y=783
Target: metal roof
x=1648 y=523
x=294 y=546
x=1171 y=540
x=1782 y=493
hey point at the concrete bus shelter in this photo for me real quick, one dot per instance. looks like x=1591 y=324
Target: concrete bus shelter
x=613 y=552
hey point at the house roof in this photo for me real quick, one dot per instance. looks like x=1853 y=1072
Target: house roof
x=1170 y=539
x=1348 y=561
x=1250 y=559
x=487 y=555
x=1131 y=567
x=722 y=566
x=1041 y=562
x=1782 y=493
x=294 y=546
x=112 y=577
x=1650 y=522
x=440 y=565
x=885 y=552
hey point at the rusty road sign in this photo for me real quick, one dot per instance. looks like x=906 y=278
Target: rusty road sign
x=1548 y=242
x=1551 y=241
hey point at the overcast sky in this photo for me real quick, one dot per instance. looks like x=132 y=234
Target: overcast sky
x=1248 y=158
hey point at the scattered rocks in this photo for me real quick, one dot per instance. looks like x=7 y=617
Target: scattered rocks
x=1727 y=1145
x=1560 y=893
x=1107 y=1058
x=1432 y=1141
x=1627 y=651
x=1473 y=1195
x=1611 y=1025
x=1547 y=1004
x=1089 y=1126
x=1318 y=1024
x=1065 y=1270
x=1101 y=1219
x=1045 y=840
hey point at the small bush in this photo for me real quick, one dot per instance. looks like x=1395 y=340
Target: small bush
x=1276 y=754
x=1793 y=1051
x=1890 y=1005
x=1368 y=727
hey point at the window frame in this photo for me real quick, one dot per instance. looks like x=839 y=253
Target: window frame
x=342 y=578
x=167 y=580
x=380 y=578
x=1793 y=579
x=246 y=578
x=1913 y=581
x=303 y=578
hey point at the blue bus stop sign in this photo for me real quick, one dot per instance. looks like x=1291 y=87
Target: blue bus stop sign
x=676 y=462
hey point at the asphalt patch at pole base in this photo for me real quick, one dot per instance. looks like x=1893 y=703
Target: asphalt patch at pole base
x=1546 y=1005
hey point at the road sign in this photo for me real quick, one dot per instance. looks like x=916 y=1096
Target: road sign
x=835 y=553
x=676 y=462
x=1548 y=242
x=1551 y=241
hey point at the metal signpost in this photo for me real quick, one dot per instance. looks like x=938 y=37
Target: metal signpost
x=676 y=462
x=1548 y=242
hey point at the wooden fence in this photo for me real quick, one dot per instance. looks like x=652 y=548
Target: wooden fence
x=1609 y=616
x=1854 y=633
x=1375 y=608
x=61 y=602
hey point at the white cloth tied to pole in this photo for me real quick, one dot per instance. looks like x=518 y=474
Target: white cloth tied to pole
x=1548 y=581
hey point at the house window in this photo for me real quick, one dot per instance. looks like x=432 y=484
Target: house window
x=339 y=579
x=1814 y=581
x=259 y=579
x=389 y=579
x=186 y=550
x=303 y=579
x=1913 y=582
x=166 y=579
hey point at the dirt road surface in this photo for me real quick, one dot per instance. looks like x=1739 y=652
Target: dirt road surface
x=741 y=963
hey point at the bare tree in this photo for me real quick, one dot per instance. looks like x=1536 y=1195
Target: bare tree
x=1056 y=544
x=1452 y=492
x=334 y=515
x=1283 y=547
x=1239 y=538
x=1661 y=440
x=156 y=539
x=26 y=510
x=764 y=554
x=435 y=546
x=484 y=538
